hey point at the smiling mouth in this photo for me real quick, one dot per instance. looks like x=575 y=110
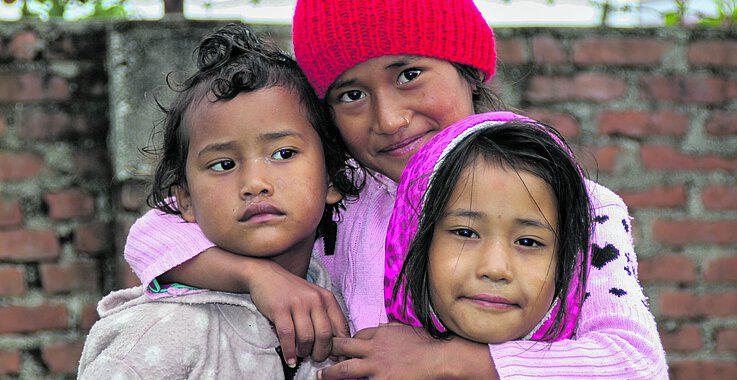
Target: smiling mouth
x=491 y=302
x=405 y=146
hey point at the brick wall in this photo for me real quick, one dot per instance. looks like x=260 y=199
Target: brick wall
x=654 y=112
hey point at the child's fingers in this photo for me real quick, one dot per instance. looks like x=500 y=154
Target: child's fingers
x=338 y=322
x=284 y=328
x=323 y=334
x=305 y=332
x=348 y=369
x=351 y=347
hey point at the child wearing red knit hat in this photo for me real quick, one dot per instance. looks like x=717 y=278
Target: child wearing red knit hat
x=395 y=73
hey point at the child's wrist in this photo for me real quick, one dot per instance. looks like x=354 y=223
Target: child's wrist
x=249 y=272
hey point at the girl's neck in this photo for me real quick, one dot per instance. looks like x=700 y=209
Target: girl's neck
x=296 y=261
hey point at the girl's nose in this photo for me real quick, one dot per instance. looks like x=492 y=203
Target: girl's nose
x=391 y=117
x=495 y=263
x=256 y=182
x=391 y=124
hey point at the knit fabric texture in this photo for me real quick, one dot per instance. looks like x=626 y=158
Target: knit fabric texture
x=331 y=36
x=616 y=337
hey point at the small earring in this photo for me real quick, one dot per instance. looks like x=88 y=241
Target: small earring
x=406 y=121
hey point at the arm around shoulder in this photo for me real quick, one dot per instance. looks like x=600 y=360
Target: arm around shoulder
x=158 y=242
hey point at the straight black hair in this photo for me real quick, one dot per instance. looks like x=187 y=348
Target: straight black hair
x=522 y=146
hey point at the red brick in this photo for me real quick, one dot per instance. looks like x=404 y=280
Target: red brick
x=727 y=340
x=565 y=123
x=680 y=304
x=667 y=269
x=720 y=304
x=37 y=124
x=619 y=51
x=721 y=269
x=723 y=304
x=21 y=87
x=25 y=45
x=687 y=338
x=604 y=159
x=63 y=278
x=16 y=166
x=62 y=358
x=32 y=86
x=546 y=49
x=661 y=157
x=661 y=88
x=708 y=89
x=9 y=362
x=702 y=370
x=692 y=231
x=23 y=319
x=12 y=281
x=720 y=197
x=28 y=245
x=655 y=197
x=585 y=86
x=696 y=88
x=88 y=317
x=510 y=51
x=58 y=88
x=642 y=123
x=722 y=123
x=718 y=53
x=11 y=213
x=69 y=204
x=93 y=238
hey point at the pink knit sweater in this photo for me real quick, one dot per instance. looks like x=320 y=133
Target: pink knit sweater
x=616 y=339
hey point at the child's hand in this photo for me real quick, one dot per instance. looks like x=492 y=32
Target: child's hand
x=305 y=316
x=396 y=351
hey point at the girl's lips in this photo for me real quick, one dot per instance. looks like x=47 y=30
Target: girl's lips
x=405 y=146
x=260 y=212
x=491 y=302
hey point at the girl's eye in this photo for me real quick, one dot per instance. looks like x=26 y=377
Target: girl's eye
x=222 y=166
x=283 y=154
x=465 y=233
x=408 y=75
x=351 y=96
x=527 y=242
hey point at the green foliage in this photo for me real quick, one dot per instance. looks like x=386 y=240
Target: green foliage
x=73 y=9
x=681 y=14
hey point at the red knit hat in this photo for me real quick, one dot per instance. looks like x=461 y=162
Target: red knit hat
x=331 y=36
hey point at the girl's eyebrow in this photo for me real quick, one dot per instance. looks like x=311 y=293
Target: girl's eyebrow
x=216 y=147
x=475 y=215
x=273 y=136
x=401 y=60
x=262 y=138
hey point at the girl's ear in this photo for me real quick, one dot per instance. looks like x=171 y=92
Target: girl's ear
x=184 y=203
x=333 y=195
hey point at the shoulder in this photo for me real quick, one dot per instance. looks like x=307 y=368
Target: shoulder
x=603 y=197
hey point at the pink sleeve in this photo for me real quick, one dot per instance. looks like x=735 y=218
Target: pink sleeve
x=617 y=337
x=158 y=242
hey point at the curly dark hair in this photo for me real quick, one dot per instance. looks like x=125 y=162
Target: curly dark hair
x=233 y=60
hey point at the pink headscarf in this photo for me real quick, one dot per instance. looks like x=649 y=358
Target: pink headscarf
x=405 y=219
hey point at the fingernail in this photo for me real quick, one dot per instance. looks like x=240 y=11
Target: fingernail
x=319 y=374
x=292 y=362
